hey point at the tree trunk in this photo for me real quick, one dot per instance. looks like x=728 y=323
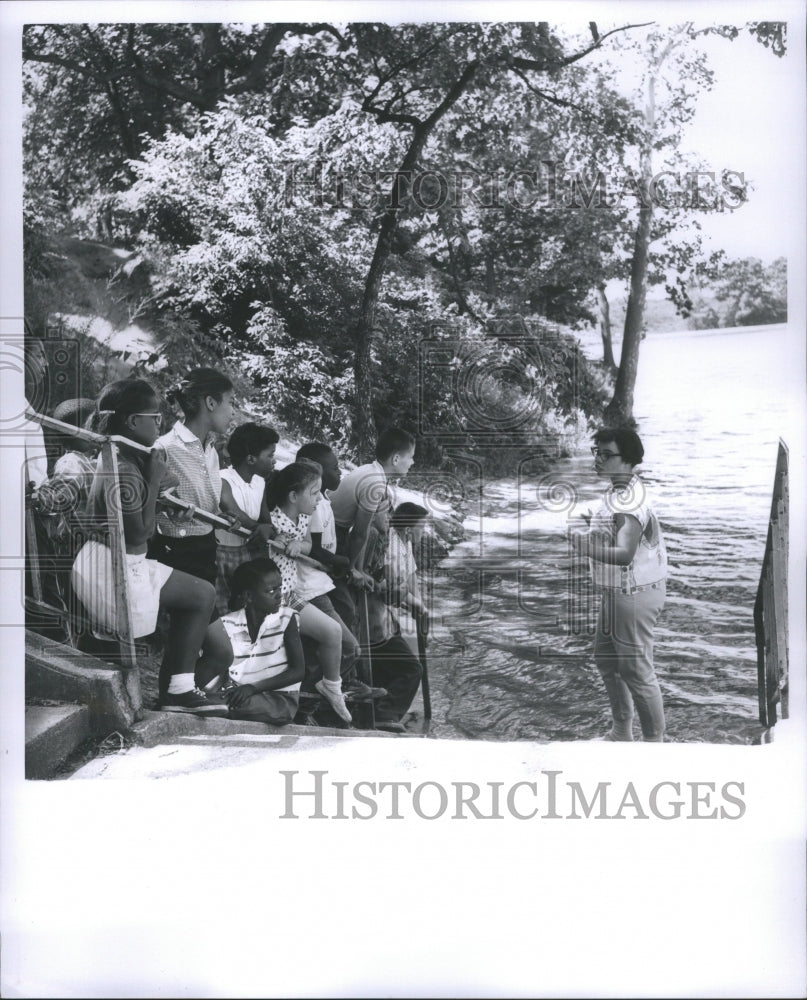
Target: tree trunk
x=619 y=412
x=605 y=329
x=364 y=432
x=490 y=277
x=211 y=72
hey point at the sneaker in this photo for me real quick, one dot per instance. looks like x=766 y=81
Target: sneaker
x=359 y=691
x=390 y=726
x=336 y=700
x=196 y=702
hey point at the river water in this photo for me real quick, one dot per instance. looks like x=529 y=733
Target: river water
x=511 y=649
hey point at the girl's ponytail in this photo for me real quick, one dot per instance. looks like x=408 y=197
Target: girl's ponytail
x=189 y=393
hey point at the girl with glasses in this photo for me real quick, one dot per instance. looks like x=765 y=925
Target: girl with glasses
x=128 y=408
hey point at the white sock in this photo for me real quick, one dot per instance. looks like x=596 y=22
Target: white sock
x=181 y=683
x=332 y=685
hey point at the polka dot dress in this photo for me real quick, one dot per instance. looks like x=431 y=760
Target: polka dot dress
x=288 y=567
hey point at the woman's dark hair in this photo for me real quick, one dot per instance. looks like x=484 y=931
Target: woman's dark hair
x=393 y=441
x=407 y=515
x=295 y=476
x=120 y=400
x=250 y=439
x=628 y=443
x=248 y=575
x=195 y=387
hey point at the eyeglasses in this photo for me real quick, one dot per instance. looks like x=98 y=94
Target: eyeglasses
x=157 y=417
x=599 y=453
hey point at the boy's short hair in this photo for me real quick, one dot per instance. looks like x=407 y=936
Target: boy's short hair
x=248 y=575
x=250 y=439
x=628 y=443
x=315 y=451
x=393 y=441
x=408 y=514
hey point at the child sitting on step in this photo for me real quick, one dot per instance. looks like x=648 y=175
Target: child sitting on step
x=267 y=665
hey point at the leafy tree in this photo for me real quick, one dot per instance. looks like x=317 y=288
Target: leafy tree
x=756 y=295
x=415 y=82
x=95 y=92
x=679 y=71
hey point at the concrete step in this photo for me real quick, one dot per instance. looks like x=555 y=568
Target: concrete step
x=52 y=734
x=161 y=728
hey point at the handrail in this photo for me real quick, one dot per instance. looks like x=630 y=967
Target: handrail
x=52 y=424
x=770 y=607
x=114 y=535
x=167 y=499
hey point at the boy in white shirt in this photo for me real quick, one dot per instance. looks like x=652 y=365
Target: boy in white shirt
x=252 y=452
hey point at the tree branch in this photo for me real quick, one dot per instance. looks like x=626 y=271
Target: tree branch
x=561 y=103
x=519 y=62
x=453 y=94
x=383 y=115
x=395 y=70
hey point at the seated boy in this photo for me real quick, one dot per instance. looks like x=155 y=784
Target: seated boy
x=403 y=588
x=252 y=452
x=394 y=665
x=267 y=665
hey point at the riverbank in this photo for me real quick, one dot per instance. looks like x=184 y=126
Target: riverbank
x=518 y=621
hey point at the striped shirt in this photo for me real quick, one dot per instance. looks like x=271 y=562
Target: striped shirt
x=197 y=469
x=264 y=658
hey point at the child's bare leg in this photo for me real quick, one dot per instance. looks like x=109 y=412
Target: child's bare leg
x=189 y=600
x=328 y=635
x=217 y=655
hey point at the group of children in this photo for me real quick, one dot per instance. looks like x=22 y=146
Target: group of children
x=309 y=563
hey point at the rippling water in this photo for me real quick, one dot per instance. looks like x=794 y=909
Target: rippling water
x=512 y=657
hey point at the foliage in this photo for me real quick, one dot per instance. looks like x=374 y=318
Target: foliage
x=282 y=185
x=754 y=294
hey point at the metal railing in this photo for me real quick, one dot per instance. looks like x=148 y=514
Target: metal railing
x=770 y=608
x=113 y=537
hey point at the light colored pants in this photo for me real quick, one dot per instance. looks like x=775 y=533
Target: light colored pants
x=623 y=650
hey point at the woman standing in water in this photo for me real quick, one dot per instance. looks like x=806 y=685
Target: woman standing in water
x=629 y=565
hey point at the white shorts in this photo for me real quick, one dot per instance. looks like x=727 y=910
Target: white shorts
x=93 y=585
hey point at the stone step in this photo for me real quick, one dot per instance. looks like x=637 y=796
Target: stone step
x=52 y=734
x=159 y=728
